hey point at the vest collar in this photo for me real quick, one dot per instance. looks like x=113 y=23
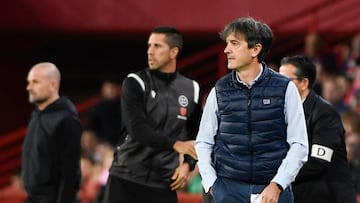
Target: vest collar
x=260 y=77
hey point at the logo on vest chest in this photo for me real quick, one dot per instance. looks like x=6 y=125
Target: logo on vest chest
x=266 y=101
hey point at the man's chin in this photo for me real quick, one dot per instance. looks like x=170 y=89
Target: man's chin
x=31 y=100
x=153 y=67
x=36 y=101
x=230 y=67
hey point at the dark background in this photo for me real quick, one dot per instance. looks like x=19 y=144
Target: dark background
x=90 y=40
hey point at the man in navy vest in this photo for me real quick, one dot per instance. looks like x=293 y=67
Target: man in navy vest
x=252 y=139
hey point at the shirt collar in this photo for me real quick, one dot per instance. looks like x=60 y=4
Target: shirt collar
x=253 y=82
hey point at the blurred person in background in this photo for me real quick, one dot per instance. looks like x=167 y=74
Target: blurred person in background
x=354 y=97
x=51 y=149
x=105 y=117
x=316 y=48
x=89 y=144
x=351 y=120
x=161 y=111
x=353 y=155
x=355 y=47
x=334 y=89
x=326 y=176
x=90 y=184
x=107 y=156
x=14 y=192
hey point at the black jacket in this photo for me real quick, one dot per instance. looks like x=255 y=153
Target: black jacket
x=326 y=177
x=158 y=109
x=51 y=153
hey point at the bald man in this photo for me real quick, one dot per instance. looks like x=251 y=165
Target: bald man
x=51 y=149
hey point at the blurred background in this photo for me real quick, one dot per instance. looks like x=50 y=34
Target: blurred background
x=96 y=40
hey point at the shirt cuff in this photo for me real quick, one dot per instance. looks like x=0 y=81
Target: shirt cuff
x=208 y=182
x=282 y=183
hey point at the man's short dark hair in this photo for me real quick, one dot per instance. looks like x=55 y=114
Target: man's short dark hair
x=173 y=36
x=255 y=32
x=305 y=67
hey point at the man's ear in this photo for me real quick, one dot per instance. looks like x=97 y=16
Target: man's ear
x=305 y=83
x=54 y=84
x=174 y=52
x=256 y=50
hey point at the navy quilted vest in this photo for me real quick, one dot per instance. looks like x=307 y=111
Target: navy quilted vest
x=251 y=140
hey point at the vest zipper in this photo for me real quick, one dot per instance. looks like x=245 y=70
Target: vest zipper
x=250 y=136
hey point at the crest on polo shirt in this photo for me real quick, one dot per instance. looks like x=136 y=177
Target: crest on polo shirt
x=184 y=102
x=153 y=94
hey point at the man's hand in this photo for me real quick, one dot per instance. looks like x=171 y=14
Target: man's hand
x=271 y=193
x=185 y=147
x=210 y=190
x=180 y=176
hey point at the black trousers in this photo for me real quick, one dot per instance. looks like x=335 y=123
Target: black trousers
x=39 y=200
x=121 y=191
x=319 y=191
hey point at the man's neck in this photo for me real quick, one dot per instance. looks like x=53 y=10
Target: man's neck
x=304 y=94
x=169 y=68
x=45 y=104
x=249 y=74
